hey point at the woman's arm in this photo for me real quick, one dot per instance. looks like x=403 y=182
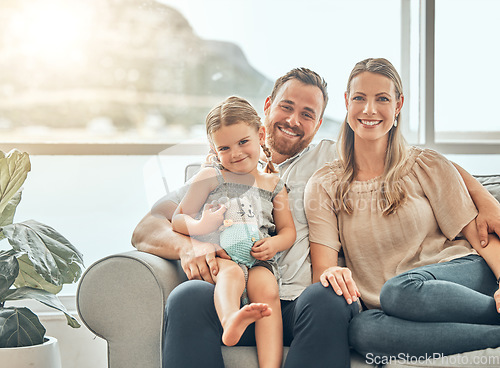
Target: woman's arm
x=325 y=270
x=491 y=254
x=488 y=220
x=266 y=248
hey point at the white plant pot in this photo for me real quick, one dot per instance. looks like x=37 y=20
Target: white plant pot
x=45 y=355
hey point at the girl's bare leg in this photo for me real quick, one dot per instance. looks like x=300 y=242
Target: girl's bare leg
x=229 y=285
x=262 y=287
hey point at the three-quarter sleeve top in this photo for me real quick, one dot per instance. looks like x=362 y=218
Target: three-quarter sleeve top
x=377 y=247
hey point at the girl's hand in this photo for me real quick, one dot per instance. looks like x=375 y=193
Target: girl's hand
x=497 y=299
x=264 y=249
x=211 y=219
x=340 y=278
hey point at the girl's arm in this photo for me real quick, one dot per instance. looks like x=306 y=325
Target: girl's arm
x=183 y=220
x=491 y=253
x=266 y=248
x=325 y=269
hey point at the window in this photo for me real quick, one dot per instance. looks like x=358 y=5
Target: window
x=466 y=77
x=454 y=79
x=134 y=77
x=133 y=73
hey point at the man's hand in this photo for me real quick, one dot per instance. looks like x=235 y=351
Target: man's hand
x=195 y=263
x=488 y=221
x=199 y=262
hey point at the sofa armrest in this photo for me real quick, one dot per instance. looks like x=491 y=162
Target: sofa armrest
x=121 y=298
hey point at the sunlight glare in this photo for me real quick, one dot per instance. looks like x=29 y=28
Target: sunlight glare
x=54 y=33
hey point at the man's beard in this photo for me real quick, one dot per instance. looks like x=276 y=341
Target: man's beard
x=285 y=148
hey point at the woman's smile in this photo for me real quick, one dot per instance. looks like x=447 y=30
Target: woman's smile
x=370 y=123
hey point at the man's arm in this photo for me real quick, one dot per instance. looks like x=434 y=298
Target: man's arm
x=488 y=219
x=154 y=234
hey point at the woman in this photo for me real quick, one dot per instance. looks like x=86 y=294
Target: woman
x=397 y=211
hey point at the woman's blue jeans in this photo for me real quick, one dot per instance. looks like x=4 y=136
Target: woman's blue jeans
x=443 y=308
x=314 y=326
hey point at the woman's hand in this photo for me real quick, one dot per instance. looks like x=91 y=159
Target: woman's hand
x=340 y=278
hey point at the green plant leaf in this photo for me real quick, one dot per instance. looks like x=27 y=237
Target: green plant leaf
x=19 y=327
x=28 y=276
x=52 y=255
x=9 y=269
x=44 y=297
x=7 y=216
x=14 y=169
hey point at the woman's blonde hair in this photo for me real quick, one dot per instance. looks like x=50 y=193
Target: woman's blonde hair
x=234 y=110
x=391 y=194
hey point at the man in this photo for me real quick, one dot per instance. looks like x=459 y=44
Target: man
x=315 y=319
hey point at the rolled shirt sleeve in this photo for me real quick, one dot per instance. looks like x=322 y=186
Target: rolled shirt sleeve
x=321 y=217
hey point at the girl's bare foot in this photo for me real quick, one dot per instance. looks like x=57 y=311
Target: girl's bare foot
x=236 y=324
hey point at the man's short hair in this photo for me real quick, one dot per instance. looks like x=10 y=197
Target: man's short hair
x=305 y=76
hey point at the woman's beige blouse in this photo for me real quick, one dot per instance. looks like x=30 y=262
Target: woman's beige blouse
x=421 y=232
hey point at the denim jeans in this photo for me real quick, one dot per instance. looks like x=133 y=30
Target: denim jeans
x=315 y=327
x=443 y=308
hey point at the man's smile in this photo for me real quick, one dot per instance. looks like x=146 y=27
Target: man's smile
x=288 y=132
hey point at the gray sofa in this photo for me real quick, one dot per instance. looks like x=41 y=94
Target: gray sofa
x=121 y=298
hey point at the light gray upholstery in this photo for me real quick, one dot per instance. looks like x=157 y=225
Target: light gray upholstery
x=121 y=298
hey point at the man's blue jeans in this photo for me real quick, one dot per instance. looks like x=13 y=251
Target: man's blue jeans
x=444 y=308
x=315 y=327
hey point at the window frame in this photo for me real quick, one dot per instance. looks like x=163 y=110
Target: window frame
x=427 y=133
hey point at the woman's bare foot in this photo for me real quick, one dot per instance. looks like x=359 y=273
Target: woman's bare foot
x=236 y=324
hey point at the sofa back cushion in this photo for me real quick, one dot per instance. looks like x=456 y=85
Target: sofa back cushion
x=492 y=183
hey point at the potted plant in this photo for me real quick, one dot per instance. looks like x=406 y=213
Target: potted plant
x=35 y=266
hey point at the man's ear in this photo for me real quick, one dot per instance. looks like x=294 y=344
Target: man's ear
x=267 y=105
x=318 y=126
x=262 y=134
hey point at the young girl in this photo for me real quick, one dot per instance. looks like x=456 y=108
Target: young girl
x=236 y=136
x=396 y=211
